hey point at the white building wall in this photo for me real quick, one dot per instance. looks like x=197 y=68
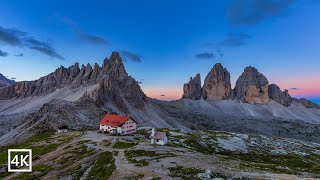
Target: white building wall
x=62 y=130
x=129 y=127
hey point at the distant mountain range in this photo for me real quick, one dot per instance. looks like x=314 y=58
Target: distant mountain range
x=79 y=97
x=4 y=81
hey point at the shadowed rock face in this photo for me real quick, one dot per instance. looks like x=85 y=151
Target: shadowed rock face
x=306 y=103
x=192 y=90
x=278 y=96
x=217 y=84
x=4 y=81
x=252 y=87
x=117 y=86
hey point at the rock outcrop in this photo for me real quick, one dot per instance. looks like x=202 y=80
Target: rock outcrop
x=252 y=87
x=217 y=84
x=192 y=90
x=4 y=81
x=306 y=103
x=117 y=87
x=278 y=96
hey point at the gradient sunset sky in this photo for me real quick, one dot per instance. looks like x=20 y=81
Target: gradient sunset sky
x=166 y=42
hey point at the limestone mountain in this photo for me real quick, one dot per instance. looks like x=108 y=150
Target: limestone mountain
x=113 y=79
x=280 y=97
x=252 y=87
x=192 y=90
x=79 y=97
x=217 y=84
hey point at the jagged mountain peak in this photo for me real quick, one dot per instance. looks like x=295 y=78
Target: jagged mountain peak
x=5 y=81
x=113 y=68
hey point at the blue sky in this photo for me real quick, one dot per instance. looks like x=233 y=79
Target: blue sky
x=165 y=42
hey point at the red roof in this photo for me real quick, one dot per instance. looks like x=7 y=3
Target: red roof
x=114 y=120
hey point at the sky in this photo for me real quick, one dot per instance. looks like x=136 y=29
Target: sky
x=166 y=42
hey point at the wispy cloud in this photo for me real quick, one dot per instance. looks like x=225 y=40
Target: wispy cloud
x=13 y=78
x=43 y=47
x=294 y=89
x=3 y=54
x=93 y=39
x=234 y=40
x=205 y=55
x=231 y=40
x=19 y=55
x=82 y=35
x=244 y=12
x=14 y=37
x=127 y=55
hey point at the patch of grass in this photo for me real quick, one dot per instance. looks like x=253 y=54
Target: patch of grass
x=36 y=149
x=115 y=153
x=192 y=142
x=79 y=171
x=103 y=167
x=185 y=173
x=156 y=178
x=137 y=138
x=106 y=142
x=131 y=154
x=65 y=139
x=286 y=163
x=123 y=145
x=138 y=162
x=83 y=142
x=37 y=172
x=74 y=155
x=5 y=174
x=42 y=149
x=143 y=132
x=42 y=136
x=134 y=177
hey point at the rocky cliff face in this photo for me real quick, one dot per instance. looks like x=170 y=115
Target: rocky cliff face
x=4 y=81
x=252 y=87
x=58 y=79
x=192 y=90
x=280 y=97
x=217 y=84
x=115 y=84
x=306 y=103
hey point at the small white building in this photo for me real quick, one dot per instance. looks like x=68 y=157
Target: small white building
x=159 y=138
x=63 y=129
x=116 y=124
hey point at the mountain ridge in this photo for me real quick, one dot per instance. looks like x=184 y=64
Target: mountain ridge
x=5 y=81
x=30 y=107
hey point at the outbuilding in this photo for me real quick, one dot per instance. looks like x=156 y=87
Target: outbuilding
x=63 y=129
x=159 y=138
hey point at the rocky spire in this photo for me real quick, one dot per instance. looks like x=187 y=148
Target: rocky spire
x=278 y=96
x=192 y=90
x=115 y=68
x=217 y=84
x=252 y=87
